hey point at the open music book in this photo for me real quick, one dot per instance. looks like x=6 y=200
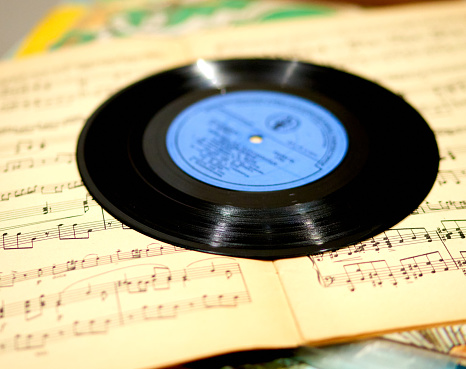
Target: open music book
x=79 y=288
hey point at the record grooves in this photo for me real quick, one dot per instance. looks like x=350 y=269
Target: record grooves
x=257 y=158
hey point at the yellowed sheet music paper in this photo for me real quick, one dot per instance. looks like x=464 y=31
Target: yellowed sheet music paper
x=80 y=289
x=77 y=287
x=414 y=274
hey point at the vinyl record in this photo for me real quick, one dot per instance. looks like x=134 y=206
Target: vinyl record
x=257 y=158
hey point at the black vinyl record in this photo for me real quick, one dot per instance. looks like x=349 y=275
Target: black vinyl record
x=257 y=158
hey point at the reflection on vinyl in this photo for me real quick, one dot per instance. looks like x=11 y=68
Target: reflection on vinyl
x=257 y=158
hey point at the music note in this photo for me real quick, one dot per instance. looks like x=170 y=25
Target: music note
x=65 y=234
x=161 y=278
x=160 y=311
x=30 y=341
x=221 y=300
x=91 y=327
x=34 y=308
x=450 y=176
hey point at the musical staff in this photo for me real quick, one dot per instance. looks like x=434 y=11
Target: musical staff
x=160 y=278
x=453 y=176
x=88 y=261
x=388 y=240
x=41 y=126
x=381 y=272
x=210 y=283
x=24 y=146
x=428 y=207
x=452 y=153
x=83 y=205
x=70 y=84
x=361 y=263
x=374 y=272
x=42 y=189
x=402 y=237
x=74 y=231
x=33 y=162
x=450 y=131
x=452 y=92
x=103 y=324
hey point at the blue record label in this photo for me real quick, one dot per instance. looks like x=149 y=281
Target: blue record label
x=256 y=140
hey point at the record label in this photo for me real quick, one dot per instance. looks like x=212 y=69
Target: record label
x=256 y=140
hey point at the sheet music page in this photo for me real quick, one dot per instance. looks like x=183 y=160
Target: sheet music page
x=79 y=288
x=413 y=275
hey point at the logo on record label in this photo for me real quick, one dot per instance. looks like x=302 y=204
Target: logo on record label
x=256 y=140
x=282 y=122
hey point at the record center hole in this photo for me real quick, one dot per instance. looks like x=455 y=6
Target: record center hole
x=256 y=139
